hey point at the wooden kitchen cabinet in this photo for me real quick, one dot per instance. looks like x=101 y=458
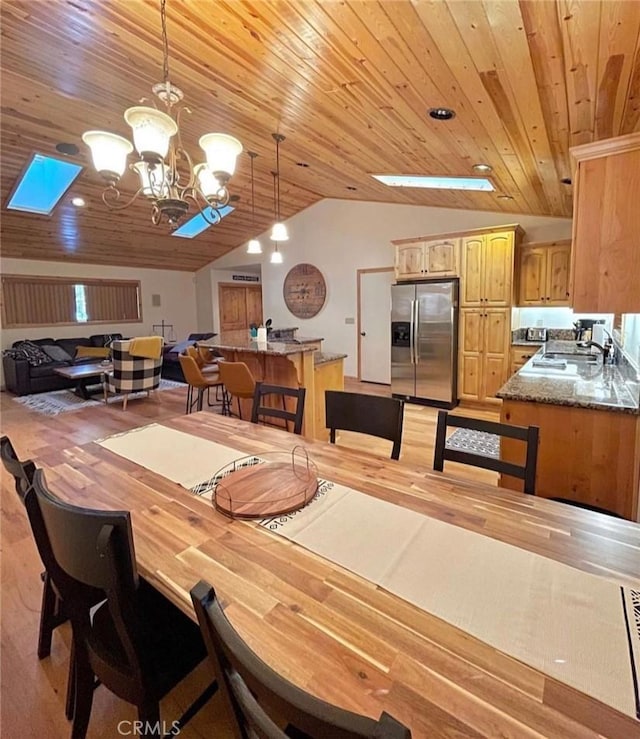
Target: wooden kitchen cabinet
x=486 y=275
x=422 y=259
x=485 y=338
x=606 y=224
x=543 y=274
x=520 y=355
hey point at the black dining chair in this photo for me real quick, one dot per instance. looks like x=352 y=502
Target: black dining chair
x=527 y=434
x=136 y=643
x=260 y=411
x=245 y=681
x=366 y=414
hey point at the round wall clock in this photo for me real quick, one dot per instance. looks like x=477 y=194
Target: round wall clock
x=304 y=290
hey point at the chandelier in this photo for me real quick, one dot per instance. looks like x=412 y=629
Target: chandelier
x=169 y=190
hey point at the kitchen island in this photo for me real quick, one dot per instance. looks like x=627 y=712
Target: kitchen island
x=589 y=419
x=292 y=365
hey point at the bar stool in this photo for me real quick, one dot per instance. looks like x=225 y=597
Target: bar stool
x=198 y=380
x=238 y=383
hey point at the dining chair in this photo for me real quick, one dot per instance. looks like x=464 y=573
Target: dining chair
x=196 y=380
x=136 y=643
x=261 y=411
x=131 y=374
x=366 y=414
x=245 y=681
x=51 y=612
x=238 y=383
x=527 y=434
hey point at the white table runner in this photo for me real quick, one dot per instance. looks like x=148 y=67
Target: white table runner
x=579 y=628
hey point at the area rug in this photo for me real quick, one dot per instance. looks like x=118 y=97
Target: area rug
x=63 y=401
x=579 y=628
x=477 y=442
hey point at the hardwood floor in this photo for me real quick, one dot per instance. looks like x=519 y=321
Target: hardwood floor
x=33 y=691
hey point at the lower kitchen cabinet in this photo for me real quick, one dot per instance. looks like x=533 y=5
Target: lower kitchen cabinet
x=485 y=339
x=520 y=355
x=590 y=456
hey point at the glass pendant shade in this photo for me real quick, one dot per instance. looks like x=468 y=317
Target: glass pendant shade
x=209 y=184
x=254 y=247
x=150 y=180
x=222 y=151
x=279 y=232
x=108 y=151
x=276 y=256
x=152 y=130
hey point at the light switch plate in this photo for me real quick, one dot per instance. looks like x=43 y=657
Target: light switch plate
x=349 y=321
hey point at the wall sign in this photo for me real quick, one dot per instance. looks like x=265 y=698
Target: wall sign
x=245 y=278
x=304 y=290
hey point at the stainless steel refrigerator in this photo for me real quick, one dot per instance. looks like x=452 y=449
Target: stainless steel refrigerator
x=424 y=342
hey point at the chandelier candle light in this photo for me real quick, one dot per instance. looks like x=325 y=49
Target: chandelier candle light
x=157 y=168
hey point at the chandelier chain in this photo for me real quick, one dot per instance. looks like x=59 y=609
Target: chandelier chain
x=165 y=41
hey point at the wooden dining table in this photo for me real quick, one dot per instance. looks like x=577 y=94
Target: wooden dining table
x=330 y=631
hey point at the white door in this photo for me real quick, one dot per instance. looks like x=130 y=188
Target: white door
x=374 y=313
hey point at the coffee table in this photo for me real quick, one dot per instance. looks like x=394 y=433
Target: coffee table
x=82 y=374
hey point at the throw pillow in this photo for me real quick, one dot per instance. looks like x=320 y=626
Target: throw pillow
x=57 y=353
x=33 y=353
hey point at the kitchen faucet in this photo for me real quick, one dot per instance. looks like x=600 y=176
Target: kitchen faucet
x=609 y=353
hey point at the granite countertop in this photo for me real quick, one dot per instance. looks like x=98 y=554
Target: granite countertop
x=524 y=342
x=579 y=384
x=276 y=348
x=324 y=357
x=301 y=340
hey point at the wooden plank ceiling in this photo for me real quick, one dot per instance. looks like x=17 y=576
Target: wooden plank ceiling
x=348 y=83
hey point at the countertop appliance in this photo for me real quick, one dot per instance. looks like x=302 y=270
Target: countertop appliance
x=534 y=333
x=424 y=339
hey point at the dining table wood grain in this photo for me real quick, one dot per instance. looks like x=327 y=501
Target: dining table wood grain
x=335 y=634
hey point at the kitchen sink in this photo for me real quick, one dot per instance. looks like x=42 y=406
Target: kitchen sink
x=586 y=358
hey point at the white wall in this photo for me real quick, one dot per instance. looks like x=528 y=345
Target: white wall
x=340 y=237
x=177 y=292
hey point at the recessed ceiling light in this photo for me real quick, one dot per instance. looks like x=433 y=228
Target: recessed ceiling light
x=78 y=202
x=566 y=181
x=505 y=197
x=442 y=114
x=351 y=187
x=302 y=164
x=65 y=148
x=482 y=167
x=436 y=183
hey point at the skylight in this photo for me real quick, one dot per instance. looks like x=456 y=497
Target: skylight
x=43 y=183
x=198 y=223
x=435 y=183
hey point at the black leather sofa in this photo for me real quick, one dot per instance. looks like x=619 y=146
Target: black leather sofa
x=171 y=369
x=22 y=378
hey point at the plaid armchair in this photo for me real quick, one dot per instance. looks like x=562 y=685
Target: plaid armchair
x=130 y=374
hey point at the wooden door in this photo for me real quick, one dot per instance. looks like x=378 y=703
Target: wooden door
x=532 y=273
x=471 y=293
x=441 y=258
x=239 y=306
x=471 y=329
x=374 y=325
x=498 y=269
x=409 y=261
x=558 y=268
x=497 y=343
x=253 y=299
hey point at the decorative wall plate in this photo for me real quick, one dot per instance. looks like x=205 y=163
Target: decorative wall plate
x=304 y=290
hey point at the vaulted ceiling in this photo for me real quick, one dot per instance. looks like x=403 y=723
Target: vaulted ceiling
x=348 y=83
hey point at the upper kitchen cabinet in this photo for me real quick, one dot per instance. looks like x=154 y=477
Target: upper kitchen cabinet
x=487 y=268
x=543 y=273
x=605 y=260
x=417 y=259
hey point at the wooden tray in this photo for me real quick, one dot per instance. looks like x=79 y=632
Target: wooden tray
x=272 y=484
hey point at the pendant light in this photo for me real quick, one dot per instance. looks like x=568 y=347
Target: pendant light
x=253 y=247
x=276 y=256
x=279 y=231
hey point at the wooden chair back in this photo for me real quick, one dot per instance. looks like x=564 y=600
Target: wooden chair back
x=245 y=680
x=261 y=411
x=527 y=434
x=366 y=414
x=22 y=472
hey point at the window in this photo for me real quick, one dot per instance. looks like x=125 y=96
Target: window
x=49 y=301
